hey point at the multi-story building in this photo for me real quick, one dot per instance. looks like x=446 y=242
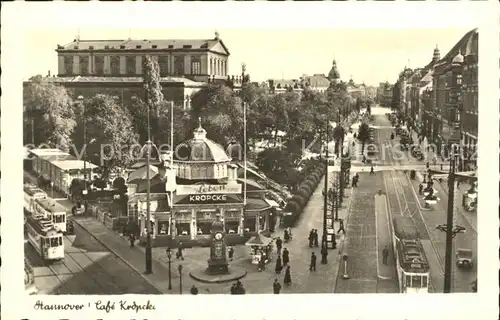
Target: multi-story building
x=455 y=82
x=280 y=86
x=87 y=67
x=356 y=90
x=384 y=94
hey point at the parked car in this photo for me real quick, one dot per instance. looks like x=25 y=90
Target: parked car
x=464 y=258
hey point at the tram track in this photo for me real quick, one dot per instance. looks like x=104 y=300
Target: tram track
x=397 y=196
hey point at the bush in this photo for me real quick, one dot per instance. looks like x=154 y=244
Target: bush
x=310 y=184
x=303 y=193
x=293 y=206
x=308 y=189
x=301 y=201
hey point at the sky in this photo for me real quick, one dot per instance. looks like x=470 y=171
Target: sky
x=371 y=42
x=366 y=55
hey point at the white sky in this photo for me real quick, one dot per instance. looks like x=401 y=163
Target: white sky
x=381 y=44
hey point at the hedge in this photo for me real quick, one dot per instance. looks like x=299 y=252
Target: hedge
x=300 y=199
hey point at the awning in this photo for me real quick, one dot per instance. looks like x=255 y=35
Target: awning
x=257 y=205
x=272 y=203
x=258 y=240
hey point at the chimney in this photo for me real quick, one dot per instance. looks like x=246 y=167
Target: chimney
x=48 y=73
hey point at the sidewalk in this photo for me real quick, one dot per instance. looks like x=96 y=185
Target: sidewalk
x=133 y=257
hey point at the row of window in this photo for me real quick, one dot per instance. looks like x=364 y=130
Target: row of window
x=131 y=66
x=47 y=242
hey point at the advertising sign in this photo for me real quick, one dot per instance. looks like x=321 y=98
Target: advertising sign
x=233 y=188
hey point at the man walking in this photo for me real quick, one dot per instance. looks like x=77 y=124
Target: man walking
x=316 y=238
x=276 y=286
x=311 y=238
x=312 y=265
x=179 y=251
x=371 y=170
x=279 y=244
x=324 y=254
x=385 y=255
x=286 y=257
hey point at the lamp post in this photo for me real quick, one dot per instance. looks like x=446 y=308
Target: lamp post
x=169 y=256
x=148 y=252
x=325 y=210
x=84 y=116
x=341 y=151
x=180 y=279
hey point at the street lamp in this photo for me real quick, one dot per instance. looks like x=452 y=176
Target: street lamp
x=180 y=279
x=169 y=256
x=325 y=209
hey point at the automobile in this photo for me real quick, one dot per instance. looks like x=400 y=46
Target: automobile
x=464 y=258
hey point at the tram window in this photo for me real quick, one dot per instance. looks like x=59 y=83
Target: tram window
x=54 y=242
x=46 y=242
x=59 y=218
x=424 y=281
x=60 y=241
x=416 y=281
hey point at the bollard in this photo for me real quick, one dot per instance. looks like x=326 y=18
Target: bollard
x=345 y=276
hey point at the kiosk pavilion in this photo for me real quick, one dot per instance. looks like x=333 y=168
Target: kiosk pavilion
x=186 y=198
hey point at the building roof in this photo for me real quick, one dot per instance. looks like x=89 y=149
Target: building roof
x=285 y=83
x=51 y=155
x=256 y=204
x=317 y=80
x=73 y=164
x=105 y=79
x=201 y=149
x=141 y=173
x=468 y=45
x=135 y=44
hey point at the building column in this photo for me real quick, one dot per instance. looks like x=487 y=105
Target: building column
x=241 y=225
x=257 y=223
x=173 y=230
x=193 y=224
x=266 y=222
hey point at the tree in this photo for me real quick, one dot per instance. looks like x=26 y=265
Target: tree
x=278 y=165
x=363 y=135
x=109 y=126
x=152 y=92
x=51 y=109
x=221 y=112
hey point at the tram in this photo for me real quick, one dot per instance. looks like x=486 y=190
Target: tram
x=52 y=210
x=411 y=263
x=45 y=238
x=31 y=193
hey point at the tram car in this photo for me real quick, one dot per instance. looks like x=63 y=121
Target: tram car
x=411 y=263
x=31 y=193
x=45 y=238
x=52 y=210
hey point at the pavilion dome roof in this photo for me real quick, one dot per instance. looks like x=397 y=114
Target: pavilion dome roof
x=200 y=149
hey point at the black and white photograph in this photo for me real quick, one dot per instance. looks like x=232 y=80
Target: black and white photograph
x=243 y=159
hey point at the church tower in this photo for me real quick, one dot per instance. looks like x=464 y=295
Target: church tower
x=334 y=75
x=436 y=56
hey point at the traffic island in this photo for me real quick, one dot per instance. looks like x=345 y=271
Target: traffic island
x=235 y=273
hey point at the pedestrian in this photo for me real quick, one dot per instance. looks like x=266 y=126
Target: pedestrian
x=179 y=251
x=286 y=257
x=372 y=172
x=353 y=182
x=131 y=238
x=279 y=244
x=312 y=265
x=276 y=286
x=194 y=290
x=311 y=238
x=279 y=266
x=385 y=255
x=427 y=165
x=420 y=188
x=262 y=263
x=287 y=280
x=233 y=288
x=239 y=288
x=441 y=167
x=316 y=238
x=230 y=253
x=324 y=255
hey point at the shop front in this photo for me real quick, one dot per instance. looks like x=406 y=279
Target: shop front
x=193 y=215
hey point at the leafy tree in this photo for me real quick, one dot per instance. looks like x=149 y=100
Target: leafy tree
x=153 y=92
x=109 y=126
x=363 y=135
x=221 y=112
x=51 y=109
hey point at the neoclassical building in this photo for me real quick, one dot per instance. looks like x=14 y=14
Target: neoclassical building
x=114 y=67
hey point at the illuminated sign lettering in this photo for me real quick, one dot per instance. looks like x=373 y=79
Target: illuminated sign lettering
x=209 y=189
x=207 y=198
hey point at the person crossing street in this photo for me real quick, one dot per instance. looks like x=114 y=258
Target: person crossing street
x=312 y=265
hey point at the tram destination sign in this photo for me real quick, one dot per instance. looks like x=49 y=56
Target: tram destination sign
x=209 y=189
